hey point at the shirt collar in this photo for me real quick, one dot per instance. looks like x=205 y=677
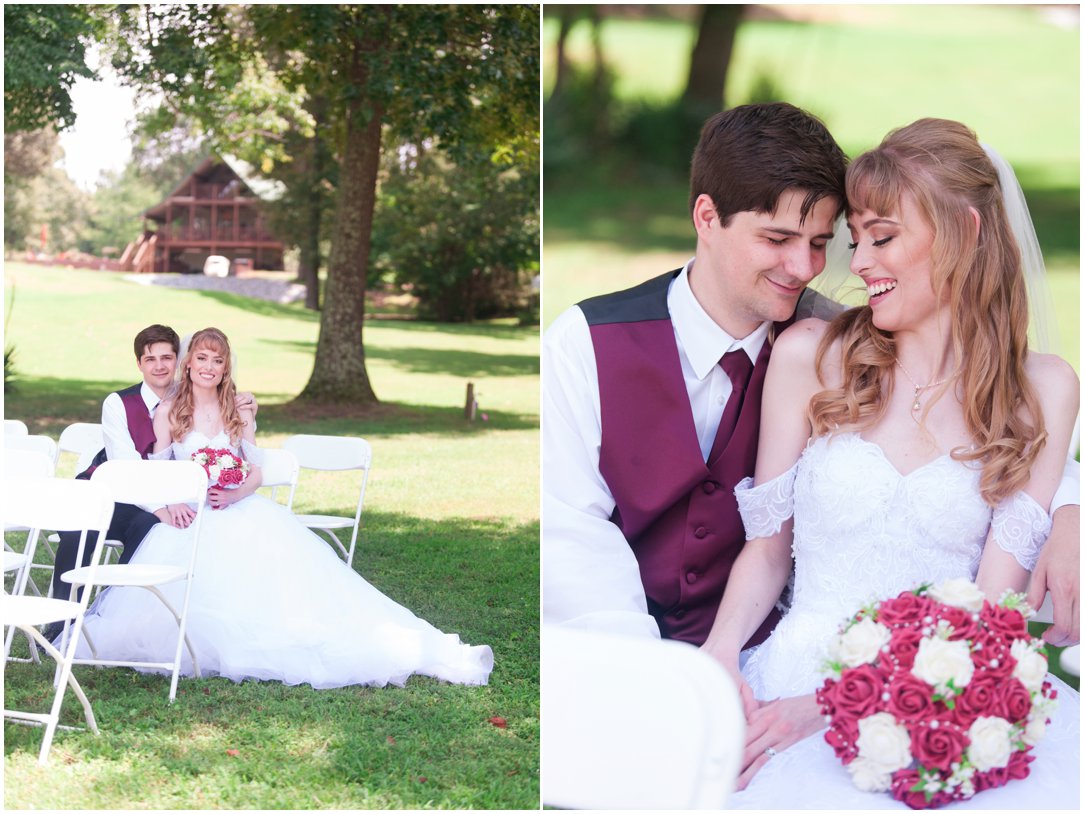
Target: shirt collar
x=703 y=341
x=150 y=398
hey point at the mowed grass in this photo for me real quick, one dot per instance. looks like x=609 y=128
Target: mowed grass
x=450 y=530
x=864 y=70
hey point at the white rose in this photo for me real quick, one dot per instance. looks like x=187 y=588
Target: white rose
x=861 y=643
x=1030 y=667
x=991 y=745
x=883 y=742
x=213 y=471
x=869 y=776
x=960 y=593
x=227 y=463
x=1035 y=730
x=939 y=661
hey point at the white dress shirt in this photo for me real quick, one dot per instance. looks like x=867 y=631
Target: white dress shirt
x=119 y=445
x=590 y=574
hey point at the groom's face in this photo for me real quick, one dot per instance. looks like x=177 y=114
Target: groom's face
x=755 y=268
x=157 y=363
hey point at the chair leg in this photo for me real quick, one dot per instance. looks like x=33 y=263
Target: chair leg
x=334 y=540
x=66 y=678
x=181 y=635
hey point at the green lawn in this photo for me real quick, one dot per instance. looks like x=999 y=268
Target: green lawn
x=1006 y=71
x=450 y=530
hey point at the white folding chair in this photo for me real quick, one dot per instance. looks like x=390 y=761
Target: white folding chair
x=12 y=426
x=636 y=723
x=40 y=443
x=279 y=469
x=143 y=482
x=53 y=503
x=84 y=440
x=334 y=453
x=32 y=462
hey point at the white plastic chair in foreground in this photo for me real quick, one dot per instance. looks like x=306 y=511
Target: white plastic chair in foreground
x=636 y=723
x=19 y=464
x=143 y=482
x=279 y=468
x=12 y=426
x=334 y=453
x=84 y=440
x=52 y=503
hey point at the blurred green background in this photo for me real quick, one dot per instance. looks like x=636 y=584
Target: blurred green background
x=617 y=138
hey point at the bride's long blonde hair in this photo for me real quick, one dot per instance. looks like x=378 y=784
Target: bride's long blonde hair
x=976 y=271
x=181 y=413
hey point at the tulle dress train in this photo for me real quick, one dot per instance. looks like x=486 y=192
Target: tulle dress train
x=270 y=600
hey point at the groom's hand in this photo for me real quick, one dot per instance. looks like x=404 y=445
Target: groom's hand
x=246 y=401
x=1058 y=571
x=177 y=515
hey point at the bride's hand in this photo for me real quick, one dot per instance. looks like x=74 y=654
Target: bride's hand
x=218 y=498
x=773 y=727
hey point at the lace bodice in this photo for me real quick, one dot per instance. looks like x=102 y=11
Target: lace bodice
x=862 y=532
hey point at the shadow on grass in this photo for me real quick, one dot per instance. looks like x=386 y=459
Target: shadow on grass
x=36 y=402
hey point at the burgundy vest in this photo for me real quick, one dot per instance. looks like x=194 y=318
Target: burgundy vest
x=140 y=427
x=677 y=512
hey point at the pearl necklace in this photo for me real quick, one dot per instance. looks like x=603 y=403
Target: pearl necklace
x=917 y=405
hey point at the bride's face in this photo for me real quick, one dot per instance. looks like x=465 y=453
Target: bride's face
x=207 y=367
x=893 y=256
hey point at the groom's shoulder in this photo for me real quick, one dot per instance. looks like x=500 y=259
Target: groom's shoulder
x=643 y=302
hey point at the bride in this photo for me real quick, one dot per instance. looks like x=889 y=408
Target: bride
x=912 y=440
x=269 y=599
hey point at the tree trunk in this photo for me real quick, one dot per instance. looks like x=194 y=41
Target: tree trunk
x=339 y=373
x=706 y=86
x=310 y=261
x=567 y=15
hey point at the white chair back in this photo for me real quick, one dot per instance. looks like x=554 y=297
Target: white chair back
x=53 y=503
x=12 y=426
x=40 y=443
x=28 y=463
x=636 y=723
x=85 y=440
x=334 y=453
x=280 y=468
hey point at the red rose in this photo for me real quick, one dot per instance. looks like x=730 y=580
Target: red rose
x=903 y=646
x=842 y=736
x=964 y=625
x=231 y=477
x=906 y=610
x=994 y=778
x=902 y=783
x=911 y=700
x=991 y=656
x=1011 y=701
x=858 y=692
x=1007 y=623
x=938 y=744
x=977 y=699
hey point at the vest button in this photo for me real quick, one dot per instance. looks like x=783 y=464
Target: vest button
x=708 y=487
x=700 y=533
x=690 y=577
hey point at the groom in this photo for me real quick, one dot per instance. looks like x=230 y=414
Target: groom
x=651 y=396
x=127 y=425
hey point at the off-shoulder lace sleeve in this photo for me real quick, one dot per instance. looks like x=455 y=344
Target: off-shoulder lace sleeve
x=1020 y=526
x=251 y=453
x=165 y=455
x=766 y=507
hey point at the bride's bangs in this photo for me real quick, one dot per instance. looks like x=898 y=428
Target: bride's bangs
x=874 y=184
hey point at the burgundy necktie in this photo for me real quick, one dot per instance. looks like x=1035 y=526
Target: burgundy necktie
x=739 y=368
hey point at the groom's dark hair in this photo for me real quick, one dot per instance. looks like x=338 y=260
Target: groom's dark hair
x=750 y=155
x=153 y=334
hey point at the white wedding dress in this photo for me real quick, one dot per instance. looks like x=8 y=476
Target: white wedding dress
x=862 y=532
x=271 y=600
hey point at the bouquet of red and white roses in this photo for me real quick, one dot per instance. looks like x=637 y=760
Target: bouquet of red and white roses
x=223 y=468
x=937 y=694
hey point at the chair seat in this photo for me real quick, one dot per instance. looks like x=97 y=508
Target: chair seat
x=134 y=575
x=326 y=521
x=36 y=610
x=13 y=561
